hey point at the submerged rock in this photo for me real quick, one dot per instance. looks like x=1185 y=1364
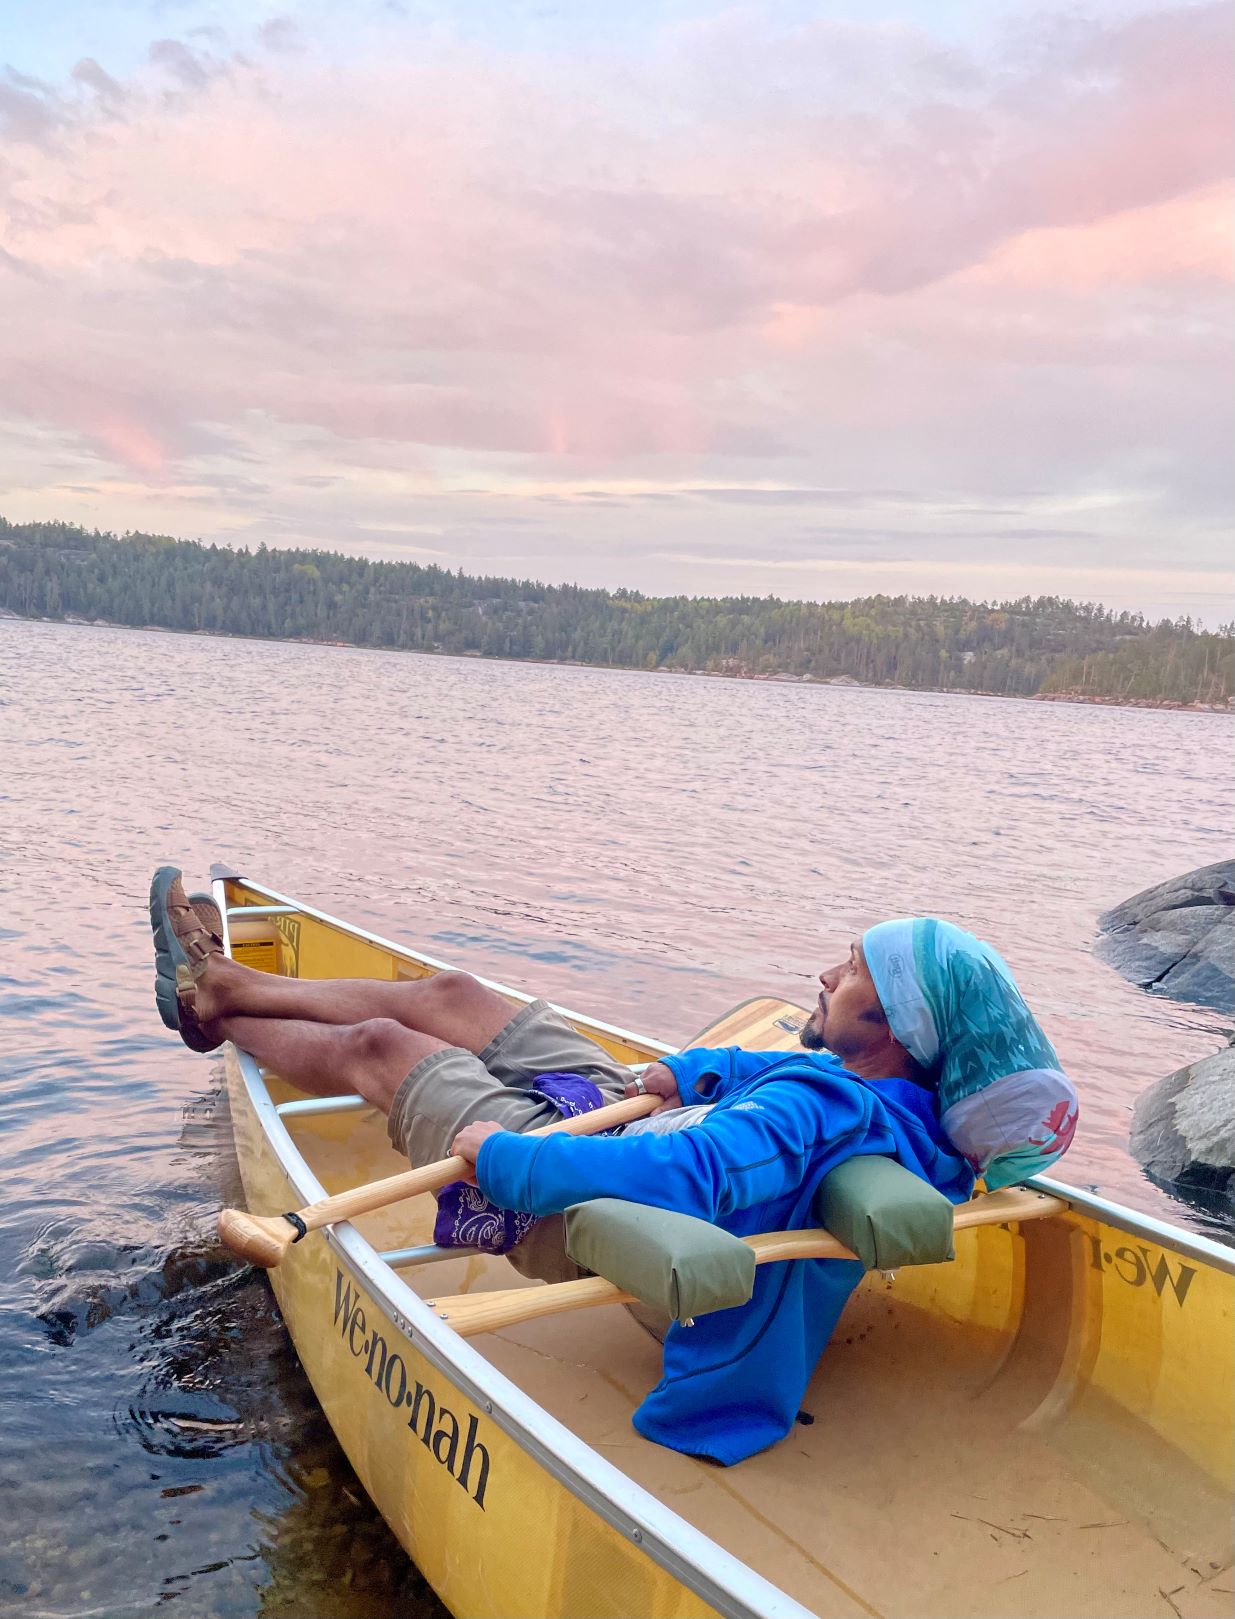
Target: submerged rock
x=1183 y=1128
x=1179 y=937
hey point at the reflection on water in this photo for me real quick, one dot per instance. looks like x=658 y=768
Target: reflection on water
x=650 y=849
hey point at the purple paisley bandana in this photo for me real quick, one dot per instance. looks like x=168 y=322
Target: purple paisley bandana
x=466 y=1218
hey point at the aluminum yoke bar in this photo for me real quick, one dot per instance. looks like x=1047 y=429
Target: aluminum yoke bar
x=313 y=1106
x=263 y=910
x=425 y=1254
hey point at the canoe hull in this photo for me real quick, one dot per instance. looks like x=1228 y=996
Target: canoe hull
x=1090 y=1314
x=461 y=1494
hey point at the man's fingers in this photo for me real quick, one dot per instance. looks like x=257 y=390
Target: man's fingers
x=472 y=1137
x=656 y=1080
x=662 y=1102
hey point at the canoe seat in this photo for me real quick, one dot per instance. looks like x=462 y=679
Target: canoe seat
x=686 y=1267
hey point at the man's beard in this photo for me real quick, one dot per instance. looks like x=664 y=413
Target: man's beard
x=810 y=1035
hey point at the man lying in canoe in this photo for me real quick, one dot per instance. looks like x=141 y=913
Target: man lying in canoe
x=920 y=1047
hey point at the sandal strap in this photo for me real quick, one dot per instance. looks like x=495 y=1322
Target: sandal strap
x=190 y=1027
x=197 y=941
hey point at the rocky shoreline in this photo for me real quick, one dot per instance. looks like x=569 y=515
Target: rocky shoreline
x=1135 y=702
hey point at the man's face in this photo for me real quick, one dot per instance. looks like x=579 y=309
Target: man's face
x=848 y=1018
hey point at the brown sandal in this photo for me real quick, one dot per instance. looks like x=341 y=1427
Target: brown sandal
x=184 y=941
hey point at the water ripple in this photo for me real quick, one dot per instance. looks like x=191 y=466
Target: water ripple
x=650 y=848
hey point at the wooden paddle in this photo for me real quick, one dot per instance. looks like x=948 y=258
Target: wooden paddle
x=264 y=1239
x=473 y=1313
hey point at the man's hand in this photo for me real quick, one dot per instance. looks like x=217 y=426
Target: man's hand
x=657 y=1080
x=470 y=1140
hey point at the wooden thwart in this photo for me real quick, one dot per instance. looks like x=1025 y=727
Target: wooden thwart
x=473 y=1313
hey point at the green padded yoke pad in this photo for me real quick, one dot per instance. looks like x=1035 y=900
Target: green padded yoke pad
x=885 y=1213
x=673 y=1262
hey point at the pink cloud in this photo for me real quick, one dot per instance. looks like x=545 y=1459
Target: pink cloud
x=1184 y=241
x=131 y=443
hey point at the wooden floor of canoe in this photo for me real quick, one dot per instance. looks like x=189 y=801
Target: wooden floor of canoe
x=913 y=1491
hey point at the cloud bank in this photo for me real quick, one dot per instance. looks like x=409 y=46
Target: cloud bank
x=808 y=309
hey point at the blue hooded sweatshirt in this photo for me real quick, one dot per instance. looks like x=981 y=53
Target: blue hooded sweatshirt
x=733 y=1383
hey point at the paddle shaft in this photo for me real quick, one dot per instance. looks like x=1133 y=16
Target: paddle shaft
x=378 y=1194
x=264 y=1239
x=473 y=1313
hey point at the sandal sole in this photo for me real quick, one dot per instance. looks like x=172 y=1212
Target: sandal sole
x=171 y=964
x=168 y=953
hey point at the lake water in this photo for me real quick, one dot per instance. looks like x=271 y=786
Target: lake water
x=647 y=848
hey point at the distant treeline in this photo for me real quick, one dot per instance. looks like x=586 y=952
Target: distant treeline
x=1035 y=645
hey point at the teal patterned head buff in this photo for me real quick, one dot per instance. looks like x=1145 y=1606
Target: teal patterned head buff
x=953 y=1004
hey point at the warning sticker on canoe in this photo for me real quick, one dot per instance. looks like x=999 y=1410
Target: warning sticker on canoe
x=427 y=1414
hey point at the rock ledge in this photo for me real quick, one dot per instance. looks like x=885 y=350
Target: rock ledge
x=1178 y=938
x=1183 y=1129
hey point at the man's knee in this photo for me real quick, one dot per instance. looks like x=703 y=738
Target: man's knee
x=459 y=1009
x=457 y=990
x=377 y=1054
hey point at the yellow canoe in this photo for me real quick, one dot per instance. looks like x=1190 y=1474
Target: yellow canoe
x=1042 y=1426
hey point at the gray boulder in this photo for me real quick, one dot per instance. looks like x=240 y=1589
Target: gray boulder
x=1179 y=937
x=1183 y=1128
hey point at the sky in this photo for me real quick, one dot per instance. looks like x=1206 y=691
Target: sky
x=804 y=299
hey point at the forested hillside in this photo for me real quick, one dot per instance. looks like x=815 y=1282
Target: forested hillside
x=1035 y=645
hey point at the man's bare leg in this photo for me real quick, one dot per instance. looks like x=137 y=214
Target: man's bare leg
x=370 y=1059
x=453 y=1008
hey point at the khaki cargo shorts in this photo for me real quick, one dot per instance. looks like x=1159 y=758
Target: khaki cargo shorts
x=451 y=1088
